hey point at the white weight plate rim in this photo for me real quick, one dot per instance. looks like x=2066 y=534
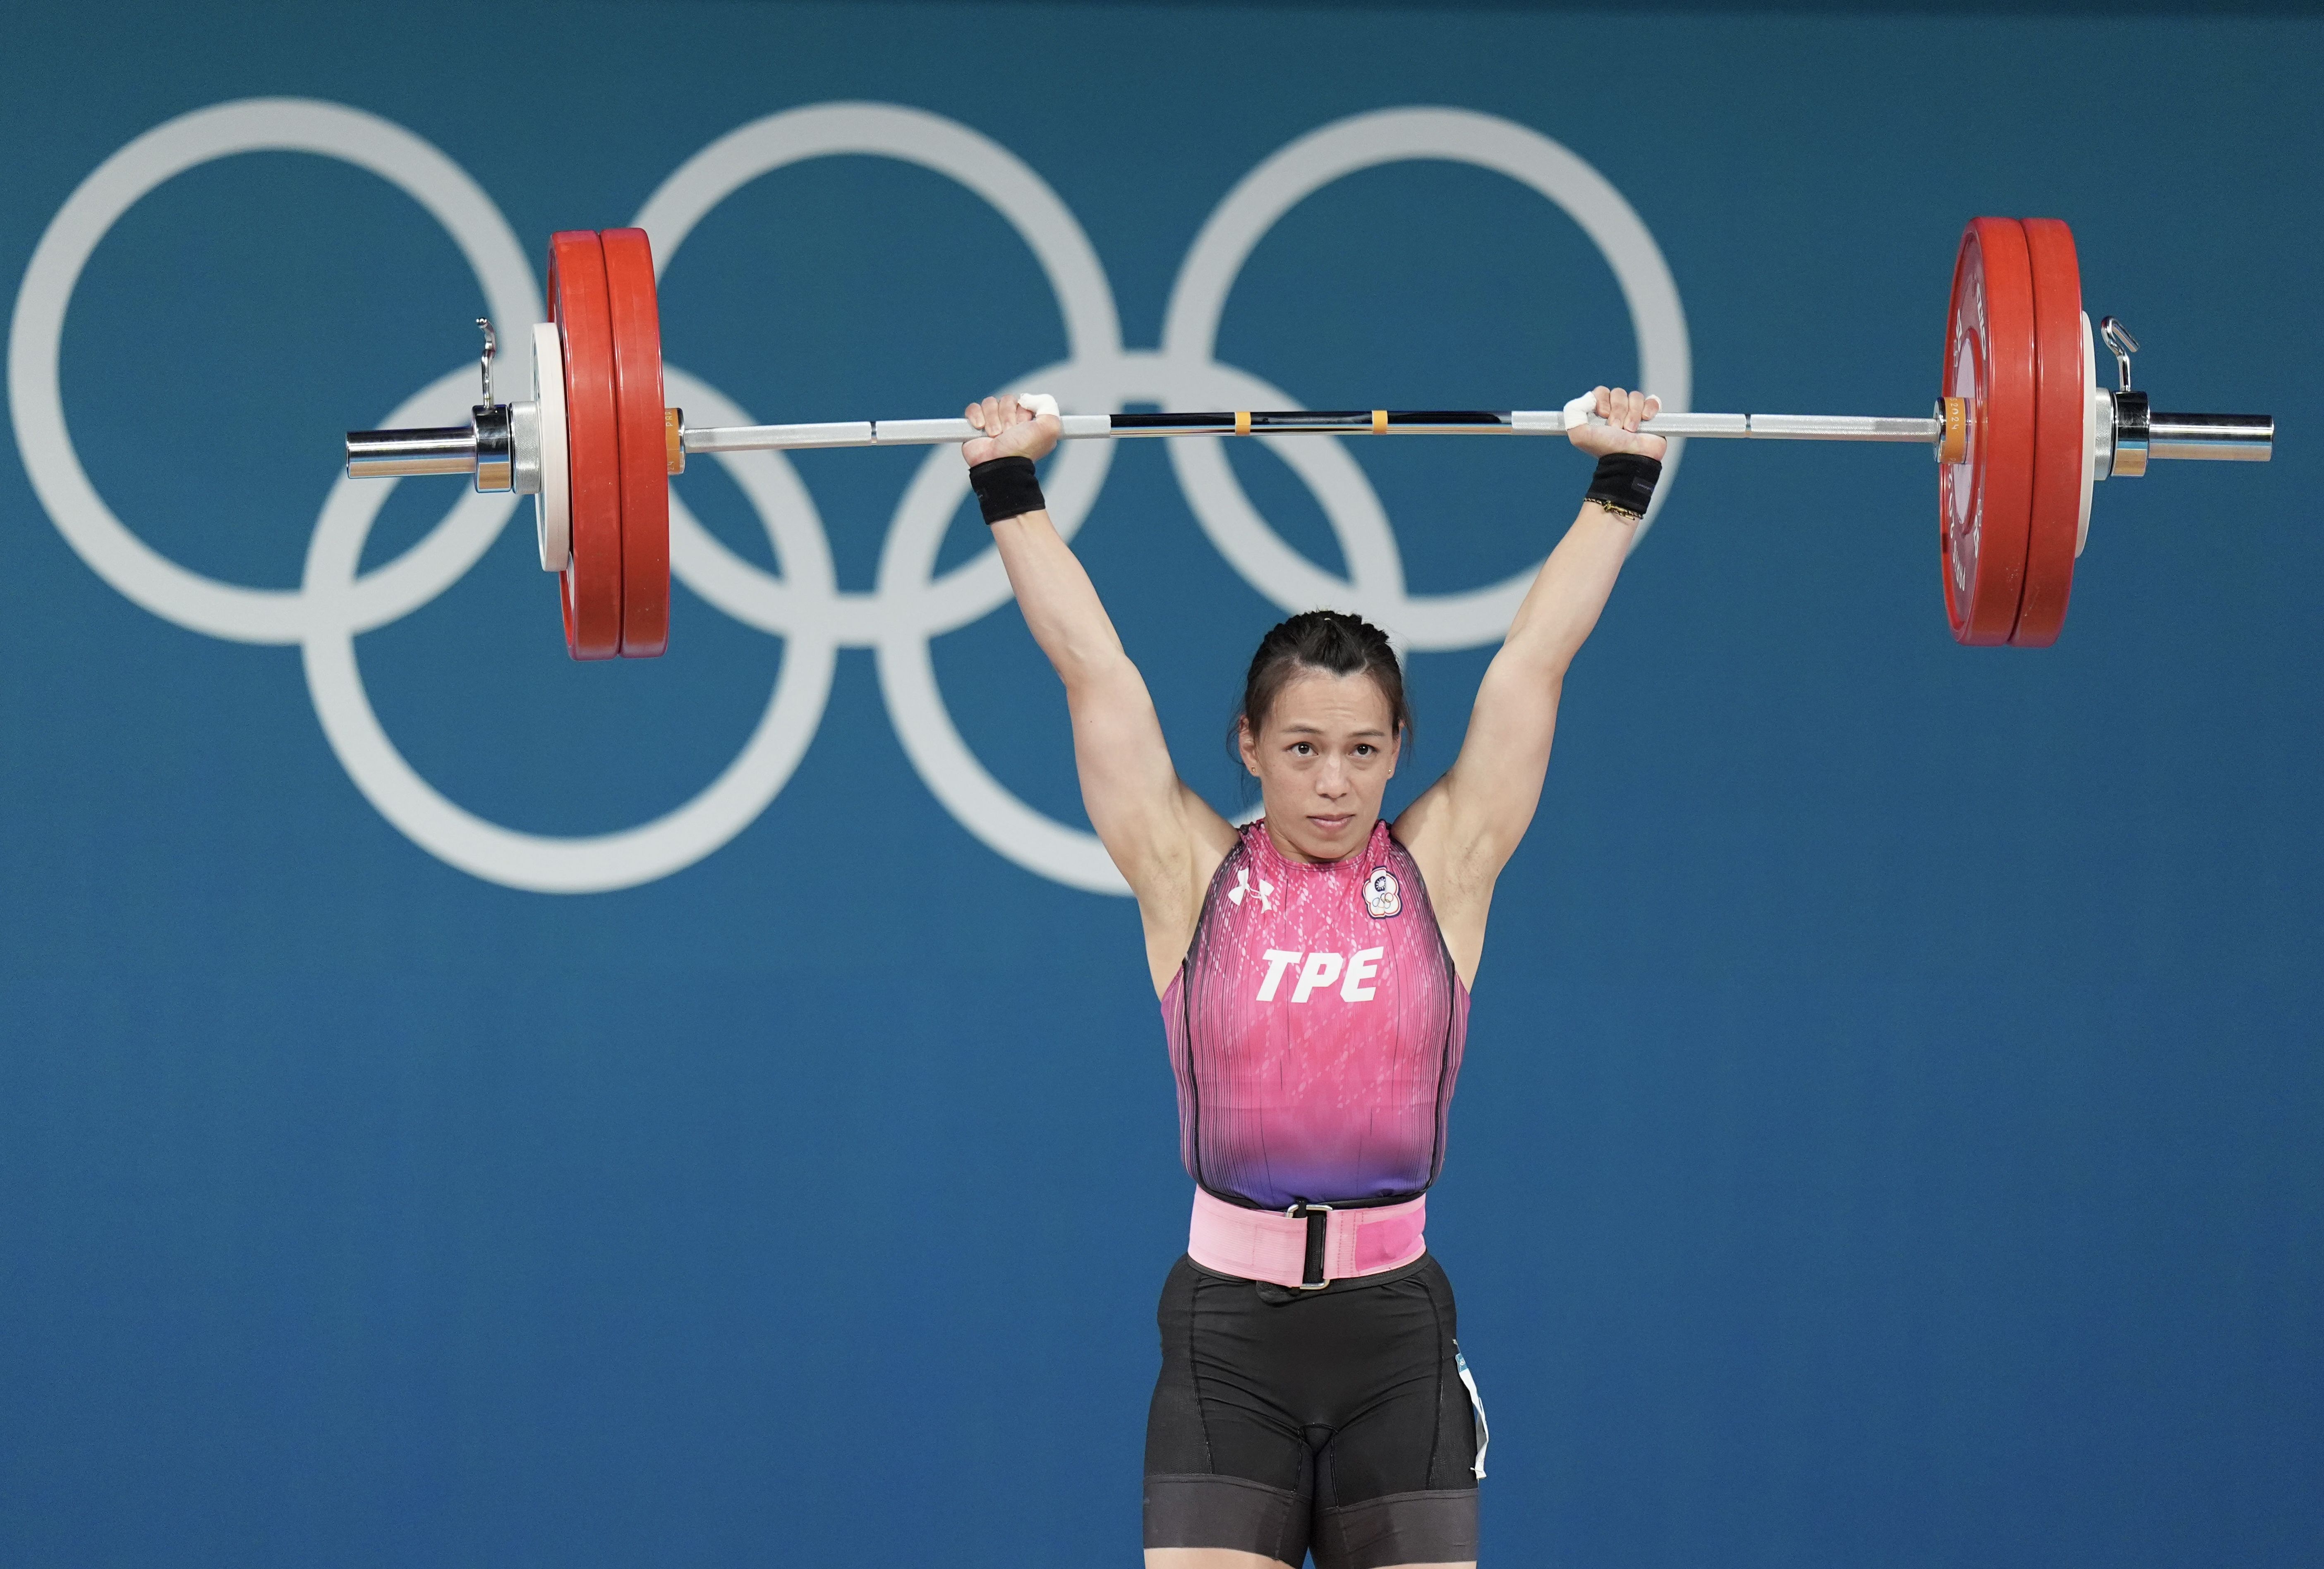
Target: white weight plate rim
x=552 y=509
x=2089 y=433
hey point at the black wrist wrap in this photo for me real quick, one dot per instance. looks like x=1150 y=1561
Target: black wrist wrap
x=1007 y=487
x=1625 y=482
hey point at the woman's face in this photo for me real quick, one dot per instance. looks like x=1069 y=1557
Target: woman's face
x=1324 y=756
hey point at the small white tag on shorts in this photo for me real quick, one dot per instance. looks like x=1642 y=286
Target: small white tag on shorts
x=1476 y=1403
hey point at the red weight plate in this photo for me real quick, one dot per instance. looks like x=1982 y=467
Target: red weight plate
x=593 y=581
x=2062 y=409
x=645 y=445
x=1984 y=502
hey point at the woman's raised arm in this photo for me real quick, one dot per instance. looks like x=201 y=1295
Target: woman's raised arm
x=1465 y=827
x=1165 y=840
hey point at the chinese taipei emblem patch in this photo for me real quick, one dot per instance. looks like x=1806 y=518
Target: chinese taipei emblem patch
x=1382 y=897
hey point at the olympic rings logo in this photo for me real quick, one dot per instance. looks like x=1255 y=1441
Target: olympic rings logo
x=910 y=605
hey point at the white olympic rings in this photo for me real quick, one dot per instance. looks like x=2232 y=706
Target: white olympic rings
x=910 y=604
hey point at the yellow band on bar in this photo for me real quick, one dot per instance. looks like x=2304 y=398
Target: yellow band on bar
x=1242 y=422
x=1380 y=422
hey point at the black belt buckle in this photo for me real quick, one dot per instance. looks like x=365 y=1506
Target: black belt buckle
x=1318 y=1218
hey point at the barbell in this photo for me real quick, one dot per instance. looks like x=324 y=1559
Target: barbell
x=2022 y=430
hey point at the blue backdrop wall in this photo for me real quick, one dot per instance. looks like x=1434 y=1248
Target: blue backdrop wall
x=1891 y=1124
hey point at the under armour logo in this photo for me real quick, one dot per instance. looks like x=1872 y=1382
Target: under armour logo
x=1242 y=890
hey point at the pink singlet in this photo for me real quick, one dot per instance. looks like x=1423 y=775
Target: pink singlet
x=1315 y=1029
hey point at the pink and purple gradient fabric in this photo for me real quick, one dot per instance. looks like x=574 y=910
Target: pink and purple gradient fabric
x=1315 y=1029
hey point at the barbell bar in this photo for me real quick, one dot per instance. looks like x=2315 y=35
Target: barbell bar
x=2022 y=430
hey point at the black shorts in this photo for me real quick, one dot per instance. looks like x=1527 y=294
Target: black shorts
x=1333 y=1421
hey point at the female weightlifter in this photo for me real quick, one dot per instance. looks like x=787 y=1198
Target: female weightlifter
x=1313 y=969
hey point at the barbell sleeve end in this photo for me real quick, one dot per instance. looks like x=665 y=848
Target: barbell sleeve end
x=500 y=446
x=2215 y=437
x=395 y=454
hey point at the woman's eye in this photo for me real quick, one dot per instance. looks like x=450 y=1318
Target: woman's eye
x=1363 y=749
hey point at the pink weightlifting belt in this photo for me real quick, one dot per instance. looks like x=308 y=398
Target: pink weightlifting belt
x=1308 y=1246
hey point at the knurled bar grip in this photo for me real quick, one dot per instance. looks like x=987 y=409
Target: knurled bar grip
x=1312 y=422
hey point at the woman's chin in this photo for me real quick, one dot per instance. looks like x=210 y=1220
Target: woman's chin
x=1322 y=836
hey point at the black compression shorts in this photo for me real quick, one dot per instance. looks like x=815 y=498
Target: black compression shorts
x=1333 y=1421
